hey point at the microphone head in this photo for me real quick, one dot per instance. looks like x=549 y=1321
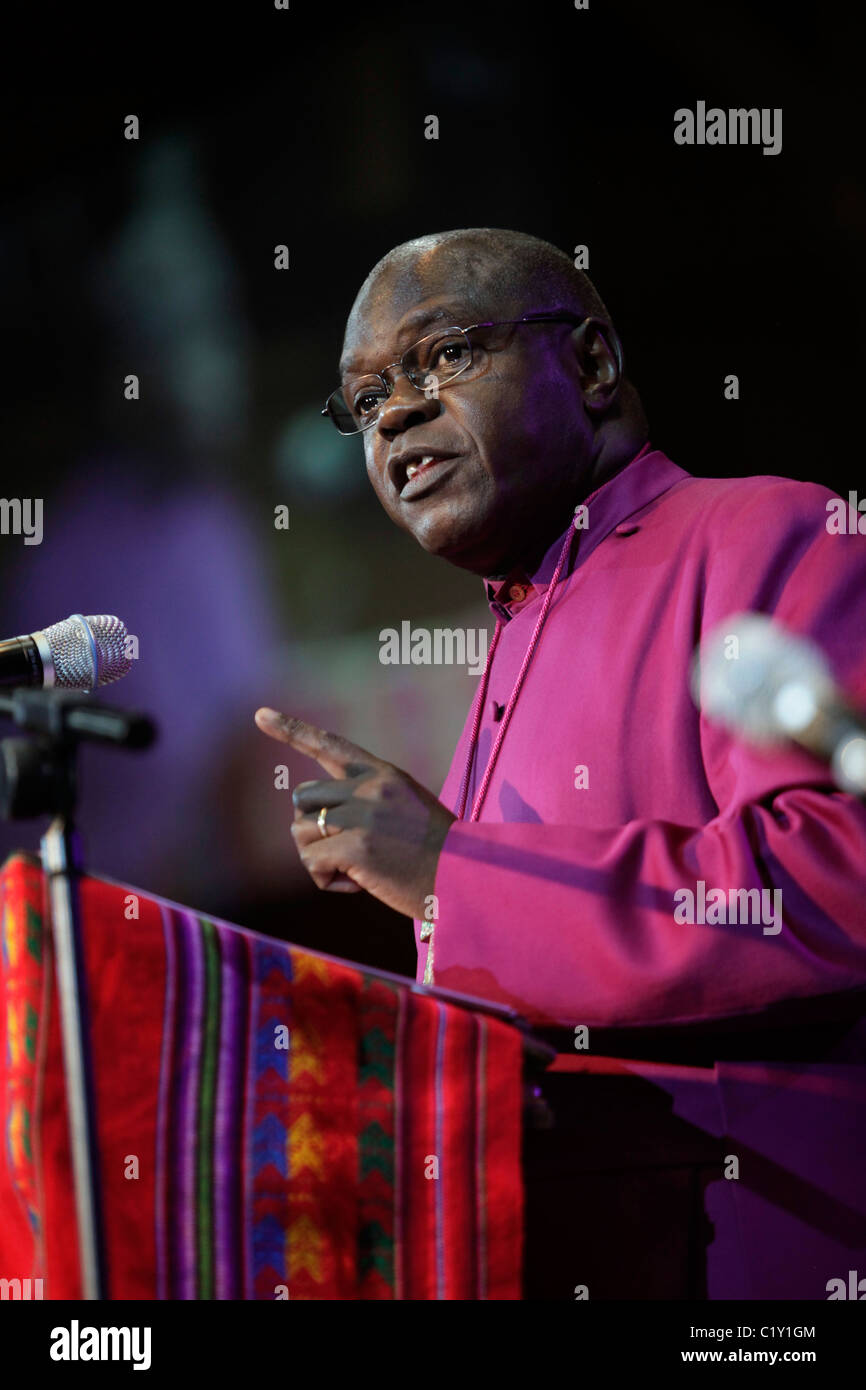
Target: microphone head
x=760 y=680
x=87 y=652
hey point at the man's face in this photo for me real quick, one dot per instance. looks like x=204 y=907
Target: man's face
x=510 y=444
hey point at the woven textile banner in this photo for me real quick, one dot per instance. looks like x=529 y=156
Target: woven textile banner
x=271 y=1123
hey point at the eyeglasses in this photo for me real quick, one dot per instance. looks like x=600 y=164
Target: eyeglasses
x=434 y=361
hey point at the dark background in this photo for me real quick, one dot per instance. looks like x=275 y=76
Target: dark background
x=306 y=127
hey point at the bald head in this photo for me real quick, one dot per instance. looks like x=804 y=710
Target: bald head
x=505 y=273
x=534 y=425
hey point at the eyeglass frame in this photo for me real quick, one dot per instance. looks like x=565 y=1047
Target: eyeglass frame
x=543 y=316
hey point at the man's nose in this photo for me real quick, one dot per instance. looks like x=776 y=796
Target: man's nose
x=406 y=406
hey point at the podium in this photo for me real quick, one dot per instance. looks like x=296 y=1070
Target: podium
x=271 y=1122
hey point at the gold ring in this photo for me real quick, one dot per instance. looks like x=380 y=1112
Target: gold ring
x=321 y=822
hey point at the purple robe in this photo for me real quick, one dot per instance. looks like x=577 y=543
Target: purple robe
x=612 y=792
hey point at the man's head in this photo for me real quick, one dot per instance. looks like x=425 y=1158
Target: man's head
x=542 y=417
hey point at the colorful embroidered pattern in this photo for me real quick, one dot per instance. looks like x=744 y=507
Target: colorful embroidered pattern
x=272 y=1123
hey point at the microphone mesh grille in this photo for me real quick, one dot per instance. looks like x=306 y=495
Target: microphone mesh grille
x=71 y=651
x=741 y=685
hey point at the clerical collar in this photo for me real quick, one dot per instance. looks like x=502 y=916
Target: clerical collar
x=643 y=478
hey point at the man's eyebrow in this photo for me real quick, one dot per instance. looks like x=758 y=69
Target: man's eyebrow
x=415 y=325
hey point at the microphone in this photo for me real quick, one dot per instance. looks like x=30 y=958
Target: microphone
x=768 y=685
x=76 y=654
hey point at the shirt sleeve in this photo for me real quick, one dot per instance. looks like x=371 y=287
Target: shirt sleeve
x=572 y=925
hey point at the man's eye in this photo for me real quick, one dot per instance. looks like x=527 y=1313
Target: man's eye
x=450 y=353
x=367 y=403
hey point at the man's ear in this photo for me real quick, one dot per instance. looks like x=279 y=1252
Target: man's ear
x=599 y=360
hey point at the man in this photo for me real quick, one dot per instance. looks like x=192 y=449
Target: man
x=587 y=792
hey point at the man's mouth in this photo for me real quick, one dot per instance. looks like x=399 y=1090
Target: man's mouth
x=425 y=462
x=420 y=470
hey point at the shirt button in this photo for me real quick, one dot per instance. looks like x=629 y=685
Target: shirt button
x=517 y=592
x=626 y=528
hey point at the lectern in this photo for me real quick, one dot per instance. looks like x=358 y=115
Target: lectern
x=270 y=1122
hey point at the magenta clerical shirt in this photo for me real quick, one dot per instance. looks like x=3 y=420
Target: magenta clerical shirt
x=612 y=792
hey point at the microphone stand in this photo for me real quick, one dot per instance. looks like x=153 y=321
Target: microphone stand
x=63 y=866
x=38 y=777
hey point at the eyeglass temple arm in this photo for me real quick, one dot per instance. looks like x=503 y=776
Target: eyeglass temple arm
x=564 y=316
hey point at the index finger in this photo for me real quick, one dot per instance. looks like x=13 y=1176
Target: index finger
x=337 y=755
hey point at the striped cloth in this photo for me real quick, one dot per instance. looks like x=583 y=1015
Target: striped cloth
x=272 y=1123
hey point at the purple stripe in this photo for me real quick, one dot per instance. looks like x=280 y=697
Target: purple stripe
x=227 y=1116
x=162 y=1110
x=439 y=1133
x=174 y=1203
x=187 y=1055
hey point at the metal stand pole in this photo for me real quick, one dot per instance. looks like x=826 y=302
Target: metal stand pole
x=38 y=778
x=61 y=861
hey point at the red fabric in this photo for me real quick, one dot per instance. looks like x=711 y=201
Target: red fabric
x=257 y=1169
